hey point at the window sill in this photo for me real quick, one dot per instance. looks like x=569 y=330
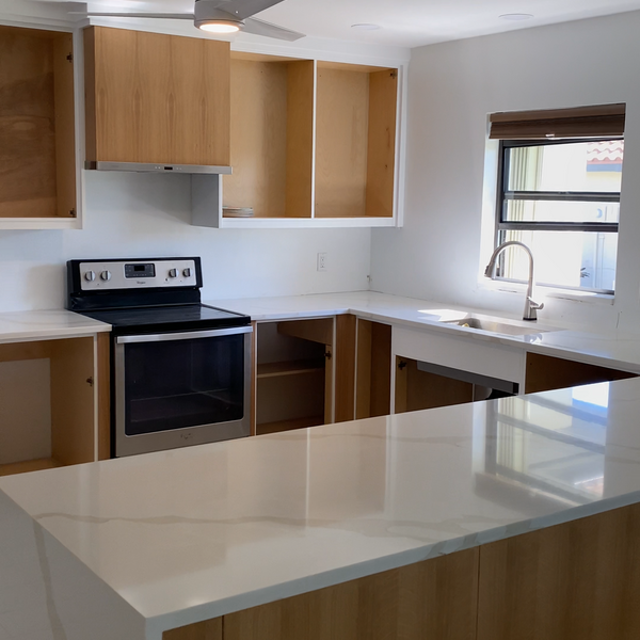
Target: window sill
x=540 y=292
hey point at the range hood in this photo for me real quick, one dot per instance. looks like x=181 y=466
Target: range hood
x=148 y=167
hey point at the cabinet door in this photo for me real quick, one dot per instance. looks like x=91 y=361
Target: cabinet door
x=155 y=98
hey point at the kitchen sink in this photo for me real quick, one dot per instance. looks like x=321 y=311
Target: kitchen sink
x=499 y=325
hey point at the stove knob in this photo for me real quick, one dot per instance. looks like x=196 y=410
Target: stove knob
x=186 y=272
x=173 y=273
x=90 y=276
x=106 y=276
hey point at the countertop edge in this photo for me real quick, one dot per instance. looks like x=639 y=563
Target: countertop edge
x=200 y=613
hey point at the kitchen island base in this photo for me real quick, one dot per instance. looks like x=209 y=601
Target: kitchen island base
x=574 y=581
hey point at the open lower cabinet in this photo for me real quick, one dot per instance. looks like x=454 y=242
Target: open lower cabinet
x=53 y=412
x=320 y=370
x=294 y=374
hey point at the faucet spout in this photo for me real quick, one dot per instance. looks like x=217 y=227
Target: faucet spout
x=530 y=306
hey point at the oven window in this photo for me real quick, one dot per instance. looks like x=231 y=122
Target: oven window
x=183 y=383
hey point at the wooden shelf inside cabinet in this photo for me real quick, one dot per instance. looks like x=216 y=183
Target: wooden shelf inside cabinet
x=271 y=136
x=289 y=425
x=355 y=141
x=289 y=368
x=37 y=126
x=29 y=465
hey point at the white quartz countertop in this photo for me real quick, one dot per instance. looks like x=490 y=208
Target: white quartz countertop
x=19 y=326
x=190 y=534
x=614 y=349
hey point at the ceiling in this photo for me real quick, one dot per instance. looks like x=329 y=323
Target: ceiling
x=404 y=23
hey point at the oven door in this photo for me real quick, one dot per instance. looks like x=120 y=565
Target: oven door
x=178 y=389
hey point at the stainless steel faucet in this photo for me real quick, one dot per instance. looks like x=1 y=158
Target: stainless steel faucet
x=530 y=307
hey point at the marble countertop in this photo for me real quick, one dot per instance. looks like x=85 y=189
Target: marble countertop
x=614 y=349
x=21 y=326
x=185 y=535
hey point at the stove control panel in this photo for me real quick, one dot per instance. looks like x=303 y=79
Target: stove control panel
x=137 y=274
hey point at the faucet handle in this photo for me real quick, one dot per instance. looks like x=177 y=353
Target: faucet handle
x=535 y=305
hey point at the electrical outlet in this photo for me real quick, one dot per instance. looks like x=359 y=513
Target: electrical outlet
x=322 y=262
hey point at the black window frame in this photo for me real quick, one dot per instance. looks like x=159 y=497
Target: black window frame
x=504 y=195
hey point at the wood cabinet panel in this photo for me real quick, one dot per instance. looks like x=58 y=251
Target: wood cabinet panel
x=104 y=396
x=575 y=581
x=71 y=399
x=417 y=390
x=271 y=136
x=37 y=134
x=208 y=630
x=355 y=140
x=546 y=372
x=155 y=98
x=381 y=151
x=341 y=146
x=345 y=354
x=431 y=600
x=373 y=378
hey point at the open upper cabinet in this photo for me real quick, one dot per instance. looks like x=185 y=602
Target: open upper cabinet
x=37 y=129
x=313 y=143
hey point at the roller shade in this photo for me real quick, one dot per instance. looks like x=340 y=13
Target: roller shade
x=580 y=122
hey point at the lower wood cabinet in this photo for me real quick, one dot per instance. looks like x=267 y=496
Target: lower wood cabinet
x=545 y=373
x=294 y=379
x=574 y=581
x=50 y=394
x=320 y=370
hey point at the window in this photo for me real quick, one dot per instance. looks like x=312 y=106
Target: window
x=560 y=176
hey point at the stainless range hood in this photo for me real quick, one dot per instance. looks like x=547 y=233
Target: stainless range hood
x=146 y=167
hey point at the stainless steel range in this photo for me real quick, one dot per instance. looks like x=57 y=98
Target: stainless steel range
x=180 y=370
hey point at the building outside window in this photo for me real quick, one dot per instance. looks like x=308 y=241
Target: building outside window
x=560 y=177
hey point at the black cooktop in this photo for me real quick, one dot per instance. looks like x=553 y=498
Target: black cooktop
x=167 y=318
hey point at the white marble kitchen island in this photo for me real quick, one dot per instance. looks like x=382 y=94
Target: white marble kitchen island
x=168 y=539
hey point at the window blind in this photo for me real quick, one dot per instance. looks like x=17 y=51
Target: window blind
x=580 y=122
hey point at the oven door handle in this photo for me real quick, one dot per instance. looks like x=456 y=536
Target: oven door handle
x=187 y=335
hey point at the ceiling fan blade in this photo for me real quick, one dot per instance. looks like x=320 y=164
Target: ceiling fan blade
x=171 y=16
x=246 y=8
x=262 y=28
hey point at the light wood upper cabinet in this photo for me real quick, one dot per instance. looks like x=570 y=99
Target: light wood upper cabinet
x=355 y=150
x=271 y=136
x=313 y=143
x=155 y=98
x=37 y=129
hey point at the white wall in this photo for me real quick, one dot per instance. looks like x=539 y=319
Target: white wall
x=452 y=88
x=145 y=215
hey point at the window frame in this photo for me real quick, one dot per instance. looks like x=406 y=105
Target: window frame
x=504 y=195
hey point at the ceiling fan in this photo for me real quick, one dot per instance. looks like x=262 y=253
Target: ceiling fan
x=221 y=16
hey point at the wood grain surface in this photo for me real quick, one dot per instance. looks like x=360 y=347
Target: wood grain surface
x=575 y=581
x=156 y=98
x=27 y=124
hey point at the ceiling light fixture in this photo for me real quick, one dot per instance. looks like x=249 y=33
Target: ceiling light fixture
x=219 y=27
x=515 y=17
x=215 y=20
x=365 y=26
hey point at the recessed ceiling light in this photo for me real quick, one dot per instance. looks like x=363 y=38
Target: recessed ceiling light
x=366 y=26
x=516 y=16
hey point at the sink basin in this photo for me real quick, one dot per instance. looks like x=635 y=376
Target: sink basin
x=498 y=325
